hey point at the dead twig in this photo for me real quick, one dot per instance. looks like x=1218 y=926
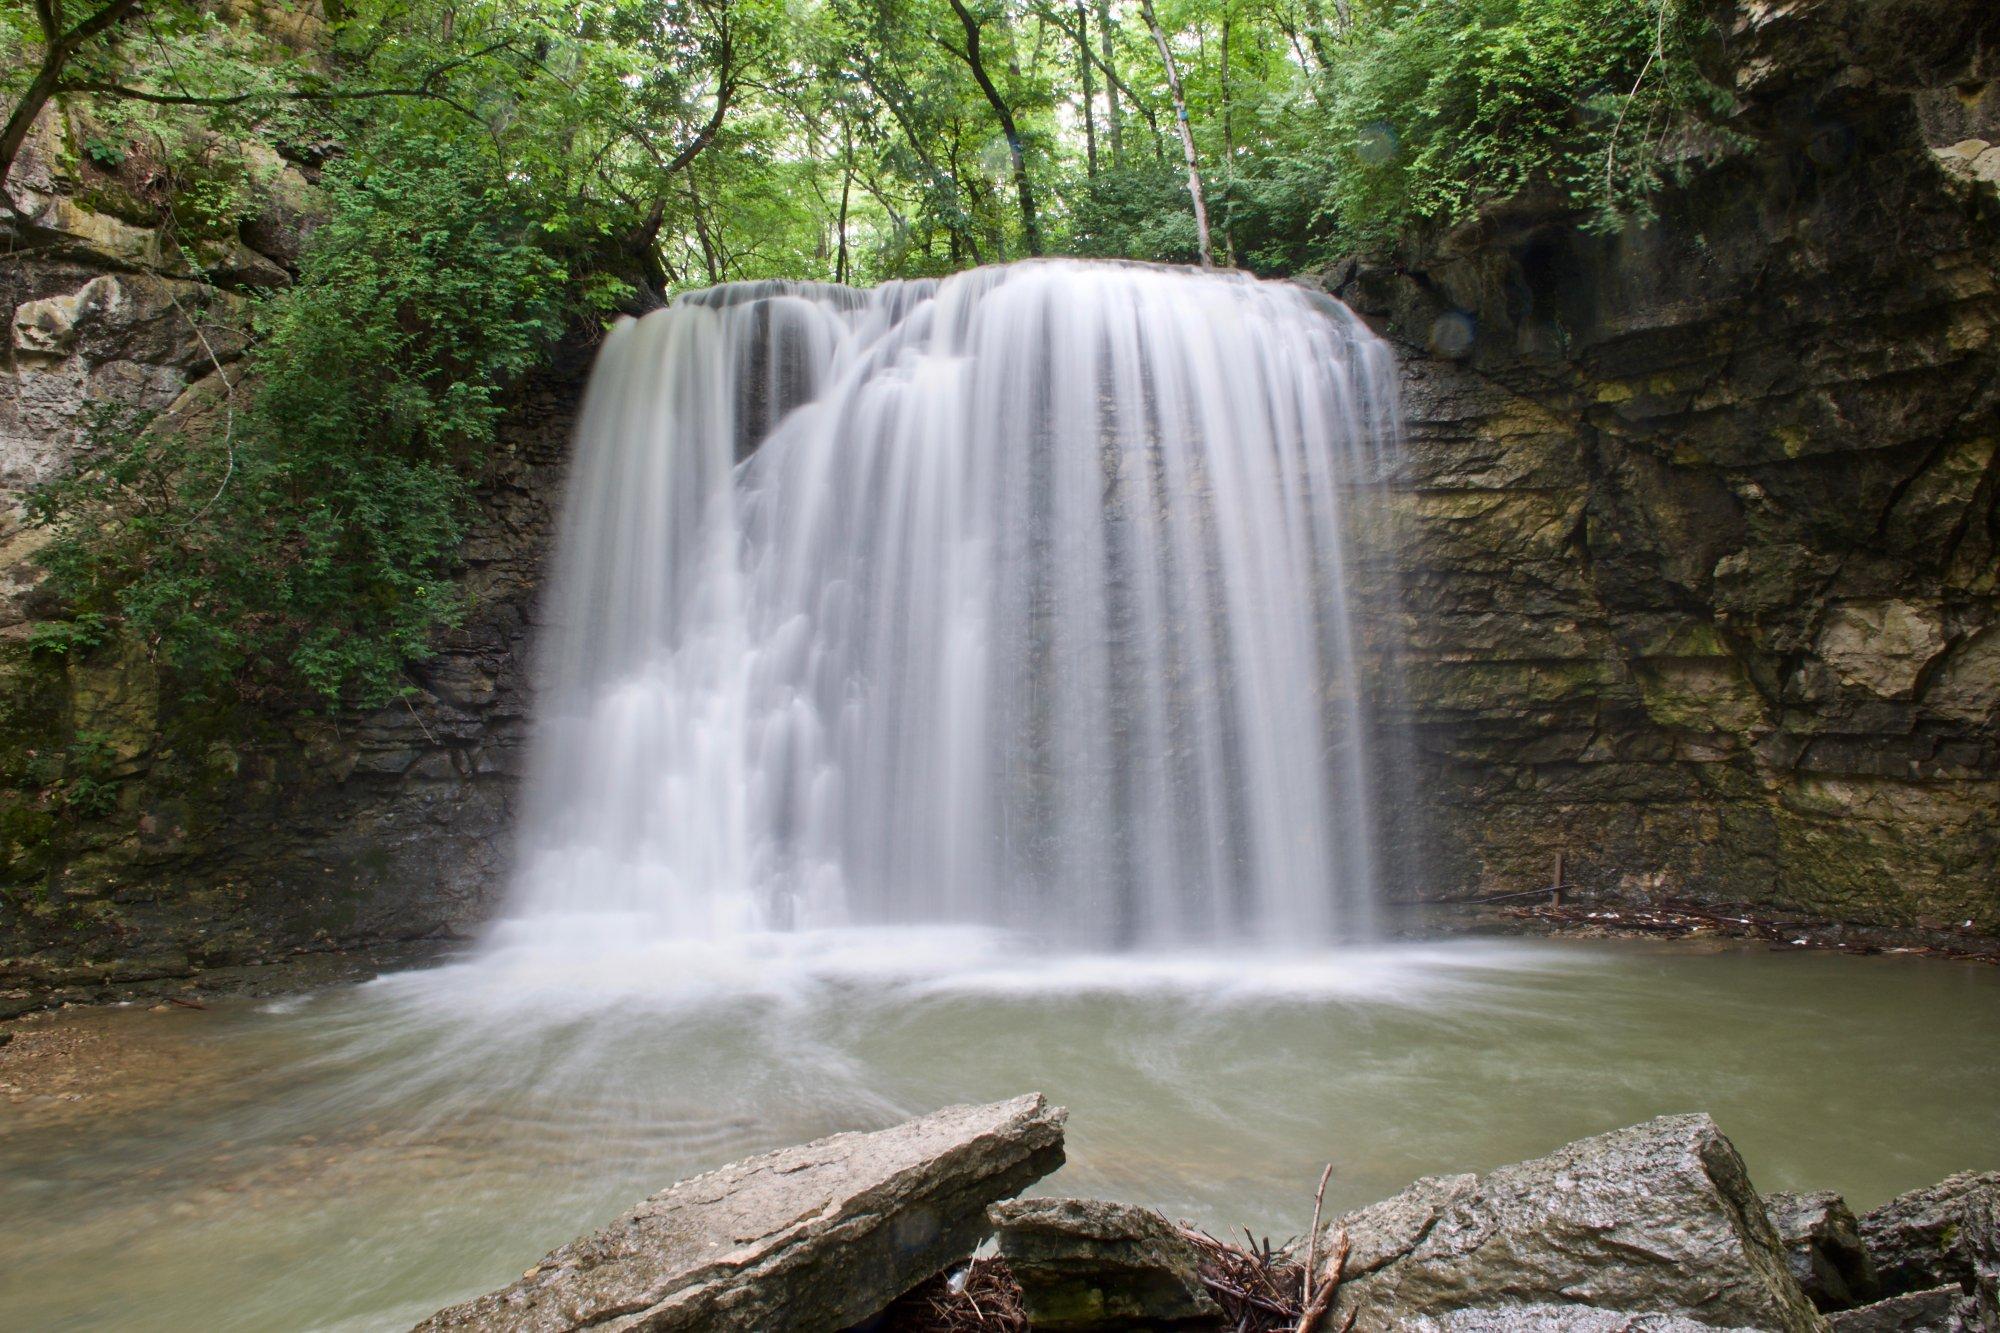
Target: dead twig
x=1312 y=1237
x=1336 y=1270
x=1257 y=1288
x=988 y=1300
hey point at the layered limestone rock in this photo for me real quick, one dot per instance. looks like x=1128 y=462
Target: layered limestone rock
x=250 y=836
x=1085 y=1264
x=1694 y=556
x=219 y=834
x=1656 y=1219
x=1695 y=553
x=818 y=1237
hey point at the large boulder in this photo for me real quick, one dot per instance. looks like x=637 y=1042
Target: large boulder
x=816 y=1237
x=1935 y=1236
x=1088 y=1264
x=1656 y=1219
x=1822 y=1244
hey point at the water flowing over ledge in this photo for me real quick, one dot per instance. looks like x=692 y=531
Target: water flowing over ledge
x=1017 y=599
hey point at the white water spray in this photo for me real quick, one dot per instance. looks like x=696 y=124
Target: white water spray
x=1018 y=599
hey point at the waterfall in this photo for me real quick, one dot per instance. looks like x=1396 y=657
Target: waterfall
x=1020 y=599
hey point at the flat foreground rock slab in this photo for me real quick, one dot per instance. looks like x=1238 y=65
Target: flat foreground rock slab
x=1939 y=1310
x=816 y=1237
x=1656 y=1219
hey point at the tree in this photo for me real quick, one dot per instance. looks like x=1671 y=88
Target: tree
x=59 y=45
x=1195 y=194
x=1113 y=121
x=1017 y=155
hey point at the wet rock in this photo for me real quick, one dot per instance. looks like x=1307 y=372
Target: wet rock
x=1823 y=1249
x=1833 y=749
x=289 y=207
x=1088 y=1264
x=1939 y=1310
x=1556 y=1319
x=1933 y=1236
x=815 y=1237
x=1656 y=1219
x=1883 y=647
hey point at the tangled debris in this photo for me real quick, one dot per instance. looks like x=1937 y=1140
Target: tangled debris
x=979 y=1297
x=1260 y=1287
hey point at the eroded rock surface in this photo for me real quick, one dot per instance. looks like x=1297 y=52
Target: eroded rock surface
x=808 y=1238
x=1695 y=550
x=239 y=834
x=1942 y=1234
x=1556 y=1319
x=1822 y=1244
x=1088 y=1264
x=1938 y=1310
x=1656 y=1219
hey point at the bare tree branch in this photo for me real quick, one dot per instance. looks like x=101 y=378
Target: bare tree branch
x=58 y=47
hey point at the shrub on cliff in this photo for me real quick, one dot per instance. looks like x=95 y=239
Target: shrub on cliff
x=1445 y=106
x=297 y=536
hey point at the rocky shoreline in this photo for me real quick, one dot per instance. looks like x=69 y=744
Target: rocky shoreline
x=1556 y=916
x=37 y=988
x=1656 y=1227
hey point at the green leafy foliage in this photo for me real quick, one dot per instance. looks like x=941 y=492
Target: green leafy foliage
x=1449 y=105
x=1131 y=212
x=296 y=531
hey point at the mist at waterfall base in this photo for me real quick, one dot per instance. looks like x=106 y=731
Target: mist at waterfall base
x=949 y=691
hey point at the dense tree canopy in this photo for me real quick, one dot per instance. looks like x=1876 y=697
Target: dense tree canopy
x=705 y=140
x=495 y=174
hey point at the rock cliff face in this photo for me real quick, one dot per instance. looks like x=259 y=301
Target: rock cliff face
x=271 y=835
x=1698 y=538
x=240 y=836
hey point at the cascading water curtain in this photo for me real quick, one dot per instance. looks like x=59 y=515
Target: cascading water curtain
x=1021 y=598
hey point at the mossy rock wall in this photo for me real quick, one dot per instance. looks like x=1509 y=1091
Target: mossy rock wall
x=145 y=836
x=1695 y=553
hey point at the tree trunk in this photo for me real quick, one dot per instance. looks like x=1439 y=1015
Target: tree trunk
x=1089 y=91
x=57 y=47
x=710 y=260
x=846 y=186
x=1030 y=230
x=1228 y=153
x=1113 y=119
x=1187 y=132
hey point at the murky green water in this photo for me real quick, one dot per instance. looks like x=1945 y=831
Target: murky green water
x=357 y=1158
